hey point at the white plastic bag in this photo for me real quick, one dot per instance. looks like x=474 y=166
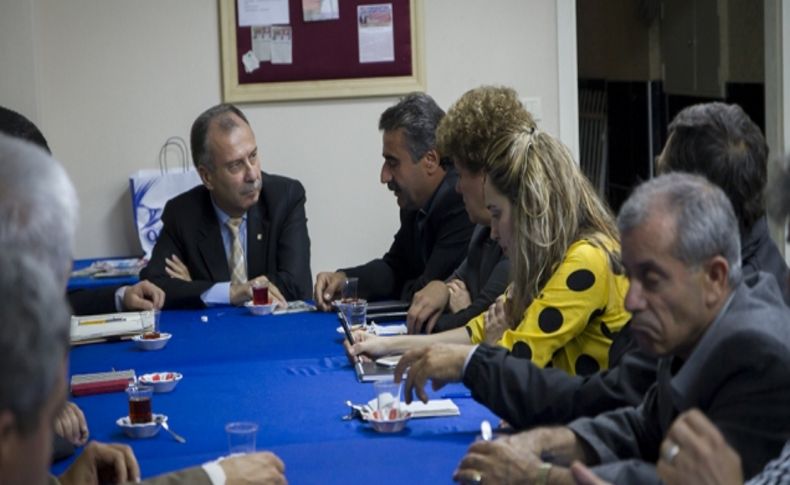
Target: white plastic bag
x=151 y=189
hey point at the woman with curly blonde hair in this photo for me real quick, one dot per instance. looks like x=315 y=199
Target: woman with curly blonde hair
x=567 y=290
x=478 y=117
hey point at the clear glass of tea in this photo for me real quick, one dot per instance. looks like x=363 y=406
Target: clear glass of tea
x=260 y=293
x=140 y=403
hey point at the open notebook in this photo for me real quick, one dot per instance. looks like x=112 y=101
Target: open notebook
x=100 y=328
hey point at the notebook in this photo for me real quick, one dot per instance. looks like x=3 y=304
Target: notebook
x=372 y=372
x=366 y=371
x=100 y=328
x=100 y=382
x=419 y=409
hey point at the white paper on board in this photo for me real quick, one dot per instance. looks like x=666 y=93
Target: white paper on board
x=374 y=25
x=263 y=12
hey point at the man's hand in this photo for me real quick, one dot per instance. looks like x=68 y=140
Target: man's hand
x=460 y=298
x=261 y=467
x=102 y=463
x=426 y=307
x=177 y=269
x=497 y=462
x=143 y=296
x=496 y=321
x=241 y=293
x=327 y=287
x=694 y=451
x=71 y=425
x=442 y=363
x=584 y=476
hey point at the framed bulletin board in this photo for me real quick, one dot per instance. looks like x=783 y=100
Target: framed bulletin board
x=362 y=48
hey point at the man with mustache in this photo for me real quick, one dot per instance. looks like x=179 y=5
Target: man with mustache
x=241 y=227
x=435 y=230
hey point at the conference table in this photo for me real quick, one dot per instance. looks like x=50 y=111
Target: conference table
x=287 y=373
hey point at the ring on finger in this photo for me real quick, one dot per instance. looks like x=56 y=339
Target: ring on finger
x=670 y=451
x=476 y=479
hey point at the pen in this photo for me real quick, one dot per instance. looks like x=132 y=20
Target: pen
x=456 y=395
x=103 y=320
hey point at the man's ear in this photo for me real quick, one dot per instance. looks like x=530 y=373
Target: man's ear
x=717 y=285
x=8 y=438
x=431 y=161
x=206 y=176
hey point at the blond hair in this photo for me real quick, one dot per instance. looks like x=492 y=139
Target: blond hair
x=554 y=205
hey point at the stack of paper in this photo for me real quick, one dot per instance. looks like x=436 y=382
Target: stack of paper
x=419 y=409
x=98 y=328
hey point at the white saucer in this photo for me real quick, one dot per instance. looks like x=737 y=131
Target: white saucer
x=161 y=381
x=260 y=310
x=151 y=343
x=141 y=430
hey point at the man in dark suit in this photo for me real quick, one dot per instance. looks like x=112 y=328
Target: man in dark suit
x=434 y=233
x=242 y=227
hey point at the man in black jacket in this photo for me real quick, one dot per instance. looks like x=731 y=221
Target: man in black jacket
x=435 y=230
x=241 y=227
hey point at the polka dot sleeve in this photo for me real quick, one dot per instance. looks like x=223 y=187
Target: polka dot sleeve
x=563 y=325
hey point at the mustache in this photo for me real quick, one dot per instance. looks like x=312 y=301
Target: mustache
x=393 y=186
x=252 y=187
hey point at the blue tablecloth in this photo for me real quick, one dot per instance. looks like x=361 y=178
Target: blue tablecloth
x=287 y=373
x=76 y=283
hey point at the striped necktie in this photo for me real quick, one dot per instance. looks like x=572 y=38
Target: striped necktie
x=236 y=264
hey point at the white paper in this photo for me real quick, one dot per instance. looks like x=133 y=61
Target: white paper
x=419 y=409
x=90 y=327
x=263 y=12
x=262 y=42
x=374 y=25
x=251 y=63
x=381 y=330
x=281 y=45
x=315 y=10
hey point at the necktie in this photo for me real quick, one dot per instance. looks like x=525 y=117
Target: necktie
x=236 y=264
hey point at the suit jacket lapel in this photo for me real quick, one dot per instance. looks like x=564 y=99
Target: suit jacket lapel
x=257 y=239
x=210 y=244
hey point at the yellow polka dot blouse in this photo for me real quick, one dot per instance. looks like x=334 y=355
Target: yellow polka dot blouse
x=571 y=322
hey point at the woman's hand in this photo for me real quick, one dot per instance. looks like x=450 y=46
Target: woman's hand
x=496 y=321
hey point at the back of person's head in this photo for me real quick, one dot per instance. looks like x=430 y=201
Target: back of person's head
x=198 y=136
x=418 y=115
x=34 y=330
x=478 y=117
x=38 y=206
x=720 y=142
x=705 y=223
x=778 y=197
x=16 y=125
x=553 y=204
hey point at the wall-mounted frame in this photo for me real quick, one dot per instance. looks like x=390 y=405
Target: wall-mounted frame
x=325 y=57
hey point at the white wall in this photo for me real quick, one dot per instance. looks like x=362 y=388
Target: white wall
x=112 y=79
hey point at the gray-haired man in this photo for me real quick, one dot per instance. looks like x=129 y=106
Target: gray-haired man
x=723 y=347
